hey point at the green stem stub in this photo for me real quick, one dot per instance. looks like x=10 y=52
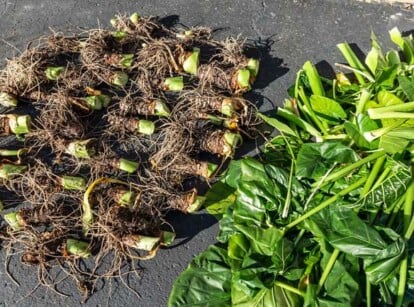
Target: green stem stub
x=10 y=152
x=127 y=60
x=146 y=127
x=185 y=35
x=8 y=100
x=127 y=198
x=206 y=169
x=215 y=120
x=134 y=18
x=230 y=123
x=119 y=78
x=14 y=220
x=231 y=141
x=253 y=66
x=139 y=242
x=53 y=73
x=81 y=149
x=161 y=109
x=78 y=248
x=8 y=170
x=1 y=205
x=167 y=238
x=73 y=183
x=227 y=107
x=243 y=79
x=113 y=22
x=211 y=169
x=190 y=64
x=127 y=165
x=97 y=102
x=174 y=84
x=197 y=204
x=118 y=35
x=19 y=124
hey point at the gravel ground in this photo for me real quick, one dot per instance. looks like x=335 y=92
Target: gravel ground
x=296 y=30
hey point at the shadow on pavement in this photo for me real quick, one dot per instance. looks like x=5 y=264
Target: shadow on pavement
x=187 y=226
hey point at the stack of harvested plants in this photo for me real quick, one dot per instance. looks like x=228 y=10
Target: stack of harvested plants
x=111 y=130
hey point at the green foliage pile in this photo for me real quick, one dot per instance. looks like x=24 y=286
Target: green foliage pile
x=325 y=216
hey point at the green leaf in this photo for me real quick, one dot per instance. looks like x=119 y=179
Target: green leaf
x=227 y=228
x=327 y=108
x=206 y=281
x=238 y=246
x=315 y=159
x=277 y=151
x=219 y=198
x=377 y=46
x=344 y=182
x=256 y=190
x=254 y=273
x=396 y=37
x=250 y=206
x=385 y=194
x=393 y=144
x=262 y=240
x=357 y=136
x=281 y=176
x=359 y=139
x=281 y=127
x=393 y=58
x=381 y=251
x=385 y=99
x=371 y=60
x=274 y=297
x=403 y=43
x=387 y=77
x=347 y=232
x=356 y=131
x=379 y=267
x=407 y=86
x=232 y=175
x=283 y=255
x=365 y=123
x=341 y=288
x=293 y=118
x=253 y=170
x=409 y=292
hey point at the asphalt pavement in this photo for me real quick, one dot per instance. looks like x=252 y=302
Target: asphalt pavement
x=293 y=30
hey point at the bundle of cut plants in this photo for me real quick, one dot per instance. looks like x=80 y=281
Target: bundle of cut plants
x=109 y=131
x=325 y=216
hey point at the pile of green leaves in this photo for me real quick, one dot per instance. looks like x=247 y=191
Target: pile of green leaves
x=325 y=216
